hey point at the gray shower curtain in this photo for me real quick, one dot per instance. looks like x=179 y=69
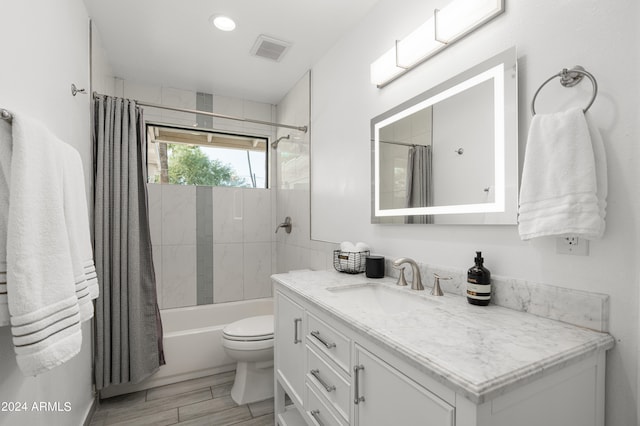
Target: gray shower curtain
x=419 y=181
x=128 y=338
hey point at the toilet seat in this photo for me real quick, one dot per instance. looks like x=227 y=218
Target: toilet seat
x=253 y=329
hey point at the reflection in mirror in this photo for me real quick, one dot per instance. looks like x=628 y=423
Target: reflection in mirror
x=443 y=156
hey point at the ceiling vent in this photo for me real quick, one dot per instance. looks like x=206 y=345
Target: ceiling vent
x=270 y=48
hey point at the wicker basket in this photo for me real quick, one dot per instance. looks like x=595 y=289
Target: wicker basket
x=350 y=262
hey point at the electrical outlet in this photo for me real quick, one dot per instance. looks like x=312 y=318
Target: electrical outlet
x=572 y=245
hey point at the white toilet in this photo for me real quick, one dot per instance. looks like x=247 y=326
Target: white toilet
x=250 y=342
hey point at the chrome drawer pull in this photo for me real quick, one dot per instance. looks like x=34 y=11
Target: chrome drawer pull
x=329 y=345
x=316 y=416
x=295 y=330
x=316 y=373
x=357 y=399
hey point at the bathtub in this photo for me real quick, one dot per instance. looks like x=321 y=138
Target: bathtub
x=193 y=342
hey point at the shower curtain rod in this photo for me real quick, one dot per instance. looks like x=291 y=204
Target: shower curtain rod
x=400 y=143
x=213 y=114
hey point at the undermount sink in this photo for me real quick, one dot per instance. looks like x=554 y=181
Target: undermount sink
x=380 y=298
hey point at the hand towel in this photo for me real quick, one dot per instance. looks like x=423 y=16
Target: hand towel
x=563 y=186
x=600 y=158
x=77 y=221
x=5 y=170
x=45 y=318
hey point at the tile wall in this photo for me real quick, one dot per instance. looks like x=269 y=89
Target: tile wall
x=210 y=245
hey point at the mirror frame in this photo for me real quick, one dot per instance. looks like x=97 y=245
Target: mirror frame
x=502 y=68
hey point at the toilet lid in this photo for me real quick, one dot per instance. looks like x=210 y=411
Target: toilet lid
x=253 y=328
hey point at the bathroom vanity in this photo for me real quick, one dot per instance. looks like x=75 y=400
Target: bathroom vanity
x=355 y=351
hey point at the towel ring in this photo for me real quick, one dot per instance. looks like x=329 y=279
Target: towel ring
x=569 y=78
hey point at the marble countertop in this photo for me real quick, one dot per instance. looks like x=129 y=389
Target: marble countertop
x=478 y=351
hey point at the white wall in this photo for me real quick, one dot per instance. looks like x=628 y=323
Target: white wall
x=550 y=35
x=45 y=49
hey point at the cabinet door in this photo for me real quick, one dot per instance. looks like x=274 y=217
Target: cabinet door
x=289 y=346
x=387 y=397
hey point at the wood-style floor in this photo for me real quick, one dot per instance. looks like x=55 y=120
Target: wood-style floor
x=199 y=402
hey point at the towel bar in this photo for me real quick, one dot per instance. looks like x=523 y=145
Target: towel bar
x=569 y=78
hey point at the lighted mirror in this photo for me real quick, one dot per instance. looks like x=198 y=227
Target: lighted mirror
x=450 y=154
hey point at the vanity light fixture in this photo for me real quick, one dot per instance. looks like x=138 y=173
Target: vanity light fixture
x=223 y=23
x=447 y=25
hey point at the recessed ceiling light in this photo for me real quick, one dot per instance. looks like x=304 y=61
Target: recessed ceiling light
x=223 y=23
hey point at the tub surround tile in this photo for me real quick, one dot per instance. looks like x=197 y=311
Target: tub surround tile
x=180 y=99
x=257 y=216
x=257 y=270
x=200 y=257
x=157 y=267
x=228 y=106
x=227 y=215
x=178 y=214
x=204 y=102
x=228 y=271
x=480 y=352
x=204 y=238
x=178 y=276
x=155 y=212
x=142 y=92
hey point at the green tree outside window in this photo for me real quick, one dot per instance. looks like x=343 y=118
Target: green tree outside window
x=188 y=165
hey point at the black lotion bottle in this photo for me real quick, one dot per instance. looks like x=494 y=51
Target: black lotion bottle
x=478 y=283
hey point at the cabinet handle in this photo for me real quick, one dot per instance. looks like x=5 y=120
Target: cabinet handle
x=329 y=345
x=316 y=417
x=357 y=399
x=295 y=330
x=316 y=373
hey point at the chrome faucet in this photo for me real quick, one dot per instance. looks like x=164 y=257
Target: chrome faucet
x=416 y=282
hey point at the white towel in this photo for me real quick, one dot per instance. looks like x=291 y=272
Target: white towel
x=45 y=318
x=563 y=189
x=77 y=221
x=5 y=170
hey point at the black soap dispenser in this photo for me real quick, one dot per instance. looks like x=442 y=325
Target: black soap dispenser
x=478 y=283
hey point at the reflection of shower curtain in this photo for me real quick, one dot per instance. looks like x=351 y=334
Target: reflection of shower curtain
x=128 y=328
x=419 y=181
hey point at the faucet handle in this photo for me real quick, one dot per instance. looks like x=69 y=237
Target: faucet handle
x=402 y=281
x=286 y=225
x=436 y=290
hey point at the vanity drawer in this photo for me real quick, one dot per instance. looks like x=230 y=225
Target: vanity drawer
x=330 y=341
x=328 y=382
x=319 y=413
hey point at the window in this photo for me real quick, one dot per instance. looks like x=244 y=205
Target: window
x=184 y=156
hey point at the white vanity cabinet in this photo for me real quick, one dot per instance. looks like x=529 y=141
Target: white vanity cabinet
x=385 y=396
x=342 y=364
x=344 y=382
x=289 y=347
